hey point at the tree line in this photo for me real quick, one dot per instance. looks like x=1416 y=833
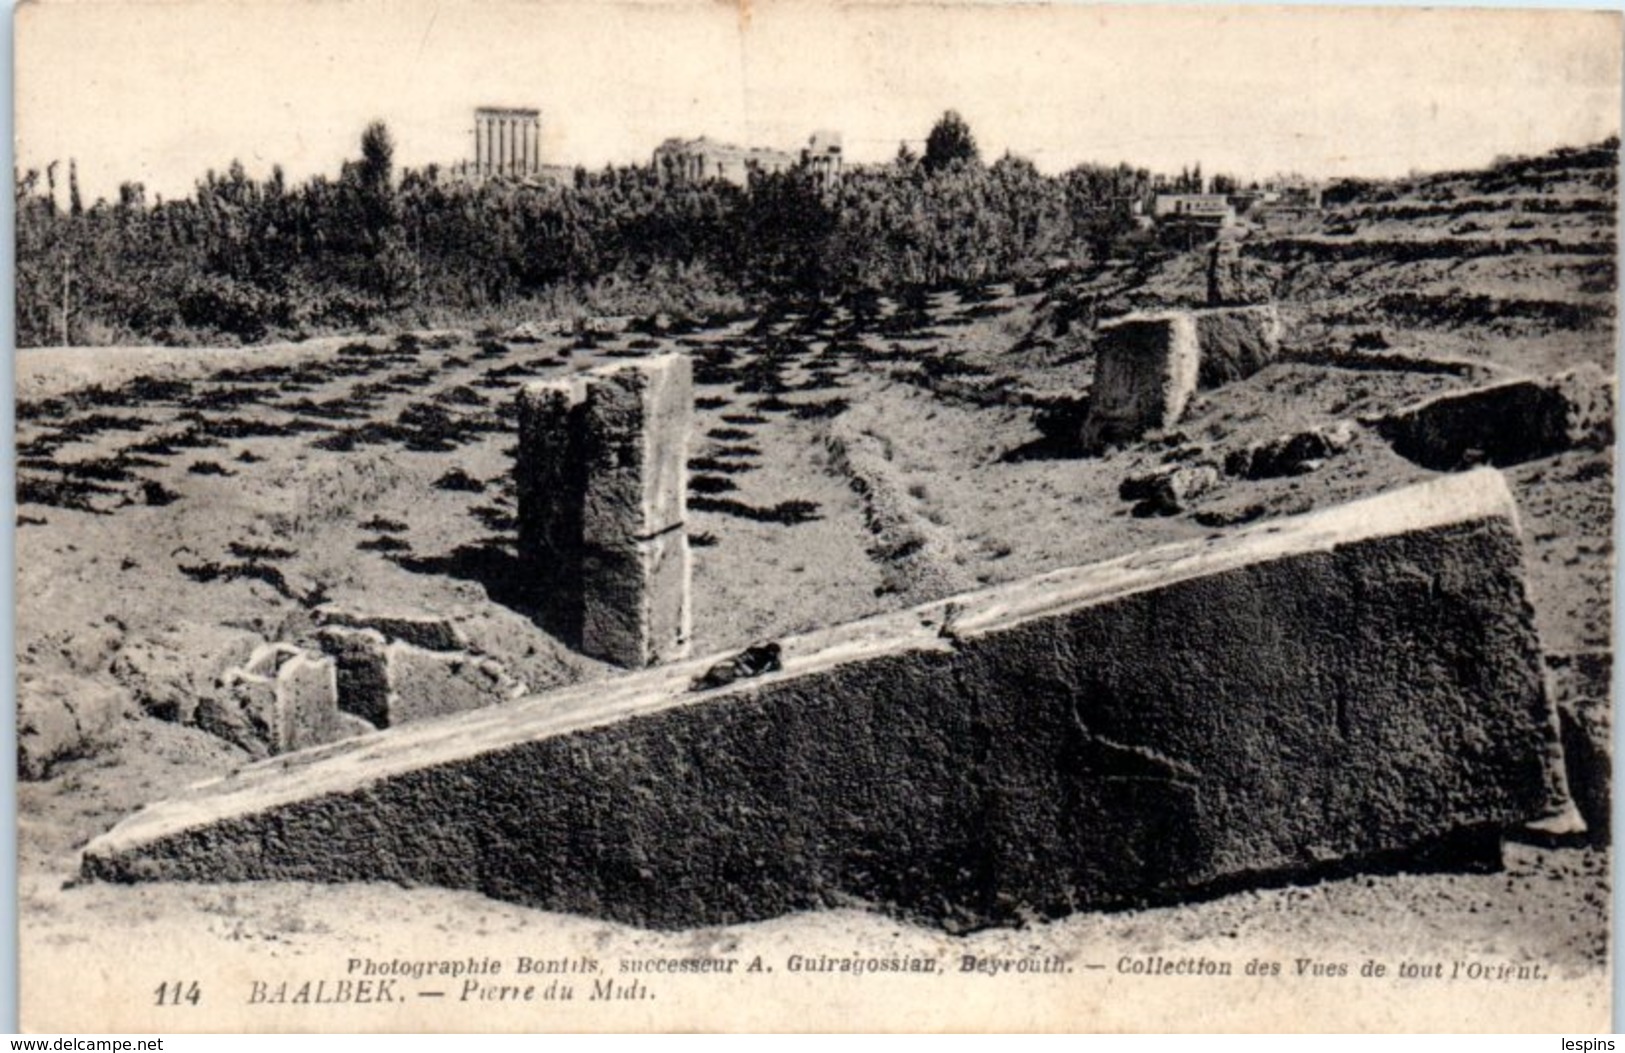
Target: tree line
x=245 y=259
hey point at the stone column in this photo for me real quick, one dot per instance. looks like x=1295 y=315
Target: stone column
x=479 y=144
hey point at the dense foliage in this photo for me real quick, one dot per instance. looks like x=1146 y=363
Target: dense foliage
x=245 y=259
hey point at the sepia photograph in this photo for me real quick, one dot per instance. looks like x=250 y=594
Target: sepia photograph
x=667 y=515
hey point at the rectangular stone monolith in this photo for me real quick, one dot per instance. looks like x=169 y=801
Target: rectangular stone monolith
x=1145 y=373
x=603 y=483
x=425 y=684
x=1338 y=690
x=635 y=562
x=362 y=671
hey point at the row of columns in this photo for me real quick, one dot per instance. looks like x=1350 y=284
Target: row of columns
x=507 y=143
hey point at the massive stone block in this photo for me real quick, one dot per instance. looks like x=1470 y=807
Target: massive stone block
x=388 y=683
x=1505 y=424
x=430 y=631
x=1145 y=373
x=282 y=699
x=1236 y=342
x=307 y=703
x=362 y=671
x=603 y=492
x=1322 y=692
x=1148 y=366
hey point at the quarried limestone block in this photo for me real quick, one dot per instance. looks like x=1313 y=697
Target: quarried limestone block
x=551 y=483
x=1145 y=373
x=1506 y=424
x=603 y=485
x=1339 y=689
x=361 y=669
x=425 y=684
x=307 y=703
x=429 y=631
x=1236 y=342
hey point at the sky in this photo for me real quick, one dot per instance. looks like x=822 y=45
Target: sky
x=159 y=91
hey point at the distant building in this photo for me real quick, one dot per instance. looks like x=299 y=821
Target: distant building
x=1296 y=195
x=697 y=160
x=1205 y=209
x=823 y=157
x=507 y=145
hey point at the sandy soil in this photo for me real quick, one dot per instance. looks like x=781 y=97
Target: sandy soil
x=186 y=505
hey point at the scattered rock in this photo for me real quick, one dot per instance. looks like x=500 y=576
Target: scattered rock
x=85 y=649
x=603 y=325
x=1167 y=491
x=61 y=717
x=1232 y=279
x=1580 y=684
x=1294 y=454
x=535 y=332
x=170 y=674
x=1587 y=730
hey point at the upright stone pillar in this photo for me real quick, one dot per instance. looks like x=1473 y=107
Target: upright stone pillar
x=635 y=602
x=603 y=483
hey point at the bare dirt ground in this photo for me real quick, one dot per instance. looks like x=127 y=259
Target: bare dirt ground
x=847 y=460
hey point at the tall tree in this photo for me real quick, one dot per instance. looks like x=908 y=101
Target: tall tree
x=377 y=157
x=950 y=142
